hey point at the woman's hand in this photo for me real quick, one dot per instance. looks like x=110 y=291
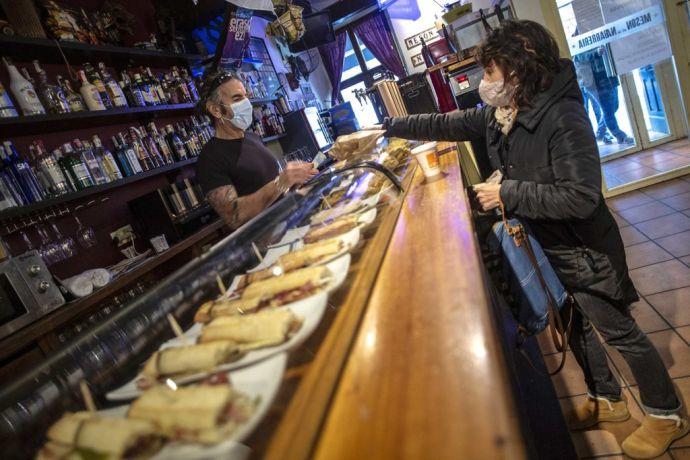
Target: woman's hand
x=488 y=195
x=297 y=173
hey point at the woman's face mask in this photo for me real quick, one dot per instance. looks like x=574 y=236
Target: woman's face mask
x=497 y=93
x=243 y=114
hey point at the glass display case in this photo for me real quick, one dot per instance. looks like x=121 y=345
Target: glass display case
x=363 y=193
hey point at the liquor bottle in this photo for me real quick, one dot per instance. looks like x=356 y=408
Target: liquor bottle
x=53 y=175
x=181 y=87
x=23 y=91
x=6 y=197
x=189 y=81
x=7 y=109
x=151 y=147
x=247 y=87
x=130 y=155
x=142 y=154
x=172 y=95
x=112 y=169
x=144 y=88
x=125 y=155
x=58 y=157
x=114 y=91
x=24 y=174
x=175 y=143
x=52 y=96
x=90 y=93
x=132 y=92
x=38 y=172
x=75 y=101
x=86 y=154
x=150 y=89
x=76 y=168
x=162 y=145
x=97 y=81
x=158 y=88
x=9 y=177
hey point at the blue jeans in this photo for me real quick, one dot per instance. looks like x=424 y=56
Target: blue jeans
x=619 y=329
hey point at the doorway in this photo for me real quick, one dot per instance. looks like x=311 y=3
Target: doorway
x=627 y=75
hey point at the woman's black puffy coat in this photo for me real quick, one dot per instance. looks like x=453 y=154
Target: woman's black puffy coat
x=552 y=181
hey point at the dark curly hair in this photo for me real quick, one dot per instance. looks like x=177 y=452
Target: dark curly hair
x=210 y=86
x=526 y=50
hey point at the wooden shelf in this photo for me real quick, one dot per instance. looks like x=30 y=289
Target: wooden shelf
x=69 y=197
x=48 y=50
x=39 y=124
x=71 y=310
x=262 y=101
x=273 y=138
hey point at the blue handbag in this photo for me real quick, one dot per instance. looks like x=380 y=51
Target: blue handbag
x=539 y=293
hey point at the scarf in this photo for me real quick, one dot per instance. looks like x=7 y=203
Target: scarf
x=505 y=116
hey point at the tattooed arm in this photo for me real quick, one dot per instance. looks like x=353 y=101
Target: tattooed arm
x=237 y=210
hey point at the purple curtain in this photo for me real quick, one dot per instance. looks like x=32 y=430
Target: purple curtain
x=333 y=57
x=375 y=35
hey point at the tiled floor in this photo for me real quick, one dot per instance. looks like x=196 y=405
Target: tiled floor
x=655 y=226
x=647 y=163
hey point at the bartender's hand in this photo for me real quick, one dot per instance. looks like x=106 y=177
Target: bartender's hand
x=297 y=173
x=488 y=195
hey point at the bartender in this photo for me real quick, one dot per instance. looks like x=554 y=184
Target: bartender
x=239 y=176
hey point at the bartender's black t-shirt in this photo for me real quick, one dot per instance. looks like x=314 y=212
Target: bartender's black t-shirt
x=245 y=163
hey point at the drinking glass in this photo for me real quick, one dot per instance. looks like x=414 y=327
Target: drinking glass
x=66 y=243
x=85 y=235
x=49 y=251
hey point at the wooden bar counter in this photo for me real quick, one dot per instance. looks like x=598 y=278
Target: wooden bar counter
x=413 y=364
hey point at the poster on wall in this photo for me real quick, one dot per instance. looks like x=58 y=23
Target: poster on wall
x=237 y=37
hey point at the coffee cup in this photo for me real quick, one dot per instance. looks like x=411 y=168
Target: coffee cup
x=428 y=159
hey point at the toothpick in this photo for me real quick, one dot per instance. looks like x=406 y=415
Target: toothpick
x=257 y=252
x=177 y=329
x=221 y=285
x=87 y=396
x=328 y=205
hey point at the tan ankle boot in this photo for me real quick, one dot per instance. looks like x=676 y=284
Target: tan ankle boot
x=654 y=436
x=595 y=410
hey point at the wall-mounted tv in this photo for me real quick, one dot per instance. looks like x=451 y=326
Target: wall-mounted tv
x=318 y=31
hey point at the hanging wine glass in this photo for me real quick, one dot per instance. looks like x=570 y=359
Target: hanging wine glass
x=85 y=235
x=66 y=243
x=49 y=251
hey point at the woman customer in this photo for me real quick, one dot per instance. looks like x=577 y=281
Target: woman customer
x=538 y=135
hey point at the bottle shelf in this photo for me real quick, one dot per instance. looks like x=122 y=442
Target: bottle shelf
x=273 y=138
x=91 y=191
x=39 y=124
x=262 y=100
x=48 y=50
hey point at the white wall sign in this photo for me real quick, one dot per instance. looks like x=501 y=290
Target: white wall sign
x=616 y=30
x=417 y=60
x=416 y=40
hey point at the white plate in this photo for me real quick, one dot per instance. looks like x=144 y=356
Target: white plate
x=367 y=217
x=290 y=236
x=310 y=310
x=372 y=200
x=261 y=381
x=339 y=267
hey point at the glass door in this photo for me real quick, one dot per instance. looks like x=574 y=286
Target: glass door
x=627 y=75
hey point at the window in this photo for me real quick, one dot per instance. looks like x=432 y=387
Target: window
x=360 y=70
x=269 y=77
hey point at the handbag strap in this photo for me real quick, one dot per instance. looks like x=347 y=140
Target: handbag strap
x=559 y=335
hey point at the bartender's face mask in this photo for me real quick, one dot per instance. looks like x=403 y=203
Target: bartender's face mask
x=494 y=90
x=234 y=97
x=243 y=114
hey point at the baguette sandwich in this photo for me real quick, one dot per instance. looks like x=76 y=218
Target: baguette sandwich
x=87 y=435
x=310 y=254
x=335 y=228
x=331 y=214
x=262 y=329
x=205 y=414
x=179 y=362
x=270 y=292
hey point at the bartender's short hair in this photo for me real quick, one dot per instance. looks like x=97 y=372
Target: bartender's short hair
x=210 y=88
x=528 y=51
